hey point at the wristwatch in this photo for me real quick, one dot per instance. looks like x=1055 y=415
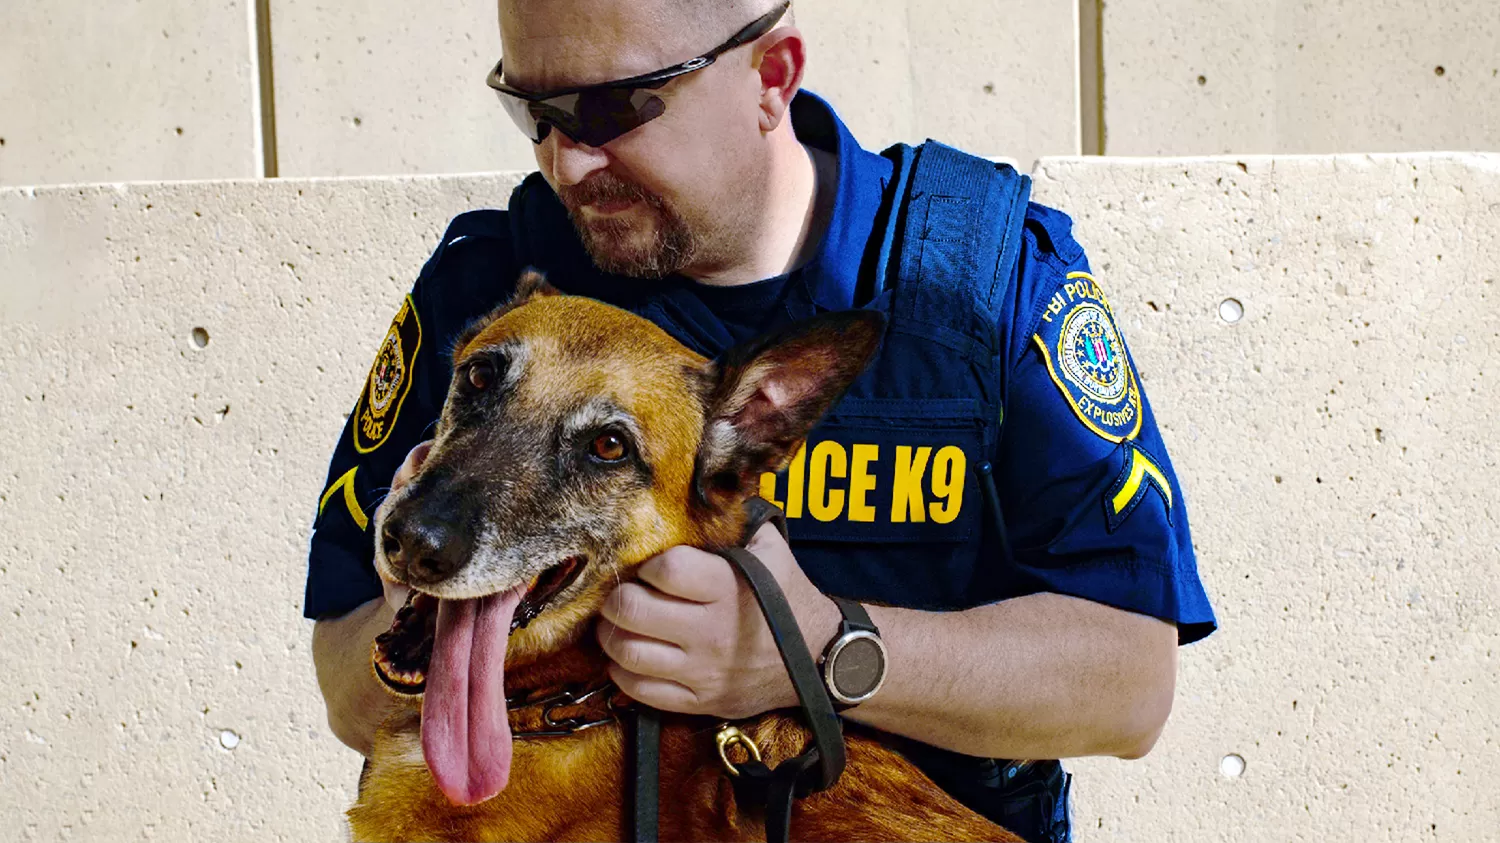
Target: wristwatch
x=854 y=662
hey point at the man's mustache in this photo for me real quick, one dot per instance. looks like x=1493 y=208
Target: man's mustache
x=602 y=187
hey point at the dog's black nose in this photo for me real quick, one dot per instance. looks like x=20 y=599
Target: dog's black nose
x=429 y=546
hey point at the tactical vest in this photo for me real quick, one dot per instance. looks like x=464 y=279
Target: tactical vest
x=890 y=501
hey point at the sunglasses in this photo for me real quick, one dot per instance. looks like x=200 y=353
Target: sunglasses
x=594 y=115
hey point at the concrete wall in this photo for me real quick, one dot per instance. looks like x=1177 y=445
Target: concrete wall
x=326 y=89
x=155 y=89
x=1192 y=77
x=1335 y=444
x=381 y=87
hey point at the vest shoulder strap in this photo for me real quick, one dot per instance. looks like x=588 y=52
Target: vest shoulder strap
x=955 y=234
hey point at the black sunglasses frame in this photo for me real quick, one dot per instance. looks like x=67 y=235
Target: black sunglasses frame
x=652 y=81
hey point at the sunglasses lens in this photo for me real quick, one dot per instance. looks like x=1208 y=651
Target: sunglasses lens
x=520 y=112
x=593 y=117
x=605 y=114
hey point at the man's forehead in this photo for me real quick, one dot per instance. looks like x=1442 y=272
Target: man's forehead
x=554 y=43
x=577 y=42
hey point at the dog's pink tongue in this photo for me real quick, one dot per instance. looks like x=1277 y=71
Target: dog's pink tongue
x=465 y=728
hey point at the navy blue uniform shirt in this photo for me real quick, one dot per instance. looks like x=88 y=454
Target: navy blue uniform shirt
x=1090 y=501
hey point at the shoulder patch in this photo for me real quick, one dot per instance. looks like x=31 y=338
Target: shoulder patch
x=1086 y=358
x=389 y=381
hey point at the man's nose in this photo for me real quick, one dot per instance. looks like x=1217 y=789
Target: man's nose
x=569 y=162
x=427 y=542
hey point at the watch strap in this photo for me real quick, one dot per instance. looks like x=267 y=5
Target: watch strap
x=856 y=619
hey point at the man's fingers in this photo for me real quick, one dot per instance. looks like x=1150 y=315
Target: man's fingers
x=411 y=465
x=645 y=611
x=657 y=693
x=395 y=593
x=640 y=654
x=690 y=574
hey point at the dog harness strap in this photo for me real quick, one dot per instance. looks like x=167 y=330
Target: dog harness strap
x=781 y=795
x=647 y=782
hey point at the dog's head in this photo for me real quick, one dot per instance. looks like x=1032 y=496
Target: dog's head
x=577 y=441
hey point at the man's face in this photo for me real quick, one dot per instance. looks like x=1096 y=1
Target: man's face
x=661 y=198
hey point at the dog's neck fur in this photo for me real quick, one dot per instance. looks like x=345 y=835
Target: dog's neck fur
x=582 y=662
x=581 y=665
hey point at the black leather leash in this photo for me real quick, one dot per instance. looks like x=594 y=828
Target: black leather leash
x=814 y=770
x=646 y=785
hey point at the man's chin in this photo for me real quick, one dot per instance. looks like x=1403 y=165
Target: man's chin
x=623 y=250
x=634 y=240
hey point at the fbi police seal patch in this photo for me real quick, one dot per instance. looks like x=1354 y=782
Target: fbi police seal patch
x=389 y=381
x=1086 y=358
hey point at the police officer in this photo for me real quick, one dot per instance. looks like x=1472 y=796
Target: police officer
x=994 y=488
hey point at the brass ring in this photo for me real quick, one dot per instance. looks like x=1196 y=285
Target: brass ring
x=729 y=736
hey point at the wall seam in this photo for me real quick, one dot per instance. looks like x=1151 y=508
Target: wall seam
x=1091 y=76
x=266 y=102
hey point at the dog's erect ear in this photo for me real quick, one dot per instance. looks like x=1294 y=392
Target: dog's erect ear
x=769 y=394
x=530 y=285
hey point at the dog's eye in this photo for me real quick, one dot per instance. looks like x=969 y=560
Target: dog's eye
x=481 y=374
x=609 y=447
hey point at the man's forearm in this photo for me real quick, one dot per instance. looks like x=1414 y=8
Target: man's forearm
x=1042 y=676
x=341 y=653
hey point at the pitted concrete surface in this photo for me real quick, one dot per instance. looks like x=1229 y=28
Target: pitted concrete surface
x=996 y=78
x=387 y=87
x=1199 y=77
x=150 y=89
x=180 y=359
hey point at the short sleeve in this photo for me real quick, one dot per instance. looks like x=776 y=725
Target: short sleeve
x=400 y=401
x=1092 y=504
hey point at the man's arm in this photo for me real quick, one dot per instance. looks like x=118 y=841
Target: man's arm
x=341 y=653
x=1042 y=676
x=356 y=701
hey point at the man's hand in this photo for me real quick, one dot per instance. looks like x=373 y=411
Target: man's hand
x=690 y=637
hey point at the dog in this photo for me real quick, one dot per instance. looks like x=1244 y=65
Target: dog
x=577 y=441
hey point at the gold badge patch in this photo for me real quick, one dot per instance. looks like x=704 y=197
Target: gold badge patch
x=390 y=379
x=1086 y=358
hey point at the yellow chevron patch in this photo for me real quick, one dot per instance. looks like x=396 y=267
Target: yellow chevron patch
x=347 y=484
x=1130 y=487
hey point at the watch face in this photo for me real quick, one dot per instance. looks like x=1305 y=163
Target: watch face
x=858 y=667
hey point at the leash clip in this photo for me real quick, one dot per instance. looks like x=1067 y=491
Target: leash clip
x=729 y=736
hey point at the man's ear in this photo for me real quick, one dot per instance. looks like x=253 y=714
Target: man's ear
x=769 y=394
x=781 y=63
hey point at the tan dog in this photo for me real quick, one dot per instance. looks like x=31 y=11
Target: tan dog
x=577 y=441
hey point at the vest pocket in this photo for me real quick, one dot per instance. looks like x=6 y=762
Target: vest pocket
x=886 y=470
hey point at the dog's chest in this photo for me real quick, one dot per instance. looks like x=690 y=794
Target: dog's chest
x=560 y=789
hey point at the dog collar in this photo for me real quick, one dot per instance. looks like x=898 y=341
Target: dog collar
x=565 y=712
